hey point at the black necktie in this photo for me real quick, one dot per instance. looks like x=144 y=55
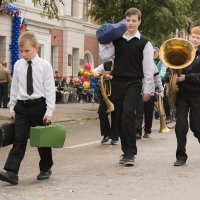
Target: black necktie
x=29 y=79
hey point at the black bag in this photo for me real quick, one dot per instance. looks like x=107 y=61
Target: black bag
x=7 y=134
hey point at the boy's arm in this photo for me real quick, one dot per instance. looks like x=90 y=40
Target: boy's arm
x=49 y=90
x=106 y=51
x=98 y=70
x=148 y=70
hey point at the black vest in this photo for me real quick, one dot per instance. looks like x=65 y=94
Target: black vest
x=129 y=57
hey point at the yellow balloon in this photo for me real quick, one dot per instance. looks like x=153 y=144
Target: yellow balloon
x=86 y=85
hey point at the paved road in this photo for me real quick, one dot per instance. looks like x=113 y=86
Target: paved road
x=86 y=170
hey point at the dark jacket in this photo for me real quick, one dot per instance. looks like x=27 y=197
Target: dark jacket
x=191 y=85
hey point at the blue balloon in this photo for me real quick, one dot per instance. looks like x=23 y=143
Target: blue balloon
x=93 y=85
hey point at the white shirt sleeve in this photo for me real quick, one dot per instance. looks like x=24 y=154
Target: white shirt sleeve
x=98 y=69
x=49 y=89
x=106 y=51
x=13 y=90
x=148 y=69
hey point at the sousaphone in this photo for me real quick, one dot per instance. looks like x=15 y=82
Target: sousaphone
x=176 y=53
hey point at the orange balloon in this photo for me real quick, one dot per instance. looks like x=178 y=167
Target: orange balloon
x=86 y=85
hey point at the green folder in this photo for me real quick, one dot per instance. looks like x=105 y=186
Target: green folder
x=48 y=136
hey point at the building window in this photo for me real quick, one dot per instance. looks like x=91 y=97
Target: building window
x=88 y=58
x=85 y=9
x=75 y=8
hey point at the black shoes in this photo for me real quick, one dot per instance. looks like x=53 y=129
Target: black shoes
x=9 y=177
x=44 y=175
x=146 y=135
x=138 y=136
x=179 y=162
x=127 y=160
x=105 y=140
x=114 y=142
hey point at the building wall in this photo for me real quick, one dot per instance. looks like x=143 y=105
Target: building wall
x=57 y=40
x=71 y=37
x=91 y=45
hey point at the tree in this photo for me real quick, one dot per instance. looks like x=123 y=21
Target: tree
x=194 y=12
x=160 y=18
x=50 y=9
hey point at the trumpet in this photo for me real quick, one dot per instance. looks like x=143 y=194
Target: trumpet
x=105 y=87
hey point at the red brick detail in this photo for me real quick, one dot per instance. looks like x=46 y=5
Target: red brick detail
x=92 y=45
x=57 y=40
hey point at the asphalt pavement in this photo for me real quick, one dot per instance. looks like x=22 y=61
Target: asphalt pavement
x=86 y=170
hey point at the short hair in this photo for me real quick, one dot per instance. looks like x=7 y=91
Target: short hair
x=196 y=30
x=27 y=36
x=133 y=11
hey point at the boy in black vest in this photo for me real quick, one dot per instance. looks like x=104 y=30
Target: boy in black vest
x=188 y=101
x=32 y=102
x=133 y=62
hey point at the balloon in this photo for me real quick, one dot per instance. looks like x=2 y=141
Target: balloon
x=83 y=79
x=87 y=67
x=87 y=74
x=86 y=85
x=93 y=85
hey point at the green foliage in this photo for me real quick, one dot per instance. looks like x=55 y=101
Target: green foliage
x=50 y=9
x=160 y=18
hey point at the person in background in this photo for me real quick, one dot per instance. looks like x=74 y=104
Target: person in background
x=5 y=80
x=32 y=102
x=133 y=63
x=162 y=69
x=146 y=109
x=105 y=124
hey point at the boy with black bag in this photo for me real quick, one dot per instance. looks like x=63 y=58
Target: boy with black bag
x=32 y=102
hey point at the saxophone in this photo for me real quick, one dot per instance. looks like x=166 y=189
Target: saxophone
x=105 y=87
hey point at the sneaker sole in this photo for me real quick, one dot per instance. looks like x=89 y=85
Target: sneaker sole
x=121 y=162
x=129 y=164
x=179 y=165
x=5 y=179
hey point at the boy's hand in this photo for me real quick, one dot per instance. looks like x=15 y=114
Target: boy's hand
x=95 y=74
x=180 y=78
x=47 y=119
x=12 y=115
x=108 y=77
x=146 y=97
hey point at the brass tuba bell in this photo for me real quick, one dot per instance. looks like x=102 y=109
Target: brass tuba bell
x=176 y=53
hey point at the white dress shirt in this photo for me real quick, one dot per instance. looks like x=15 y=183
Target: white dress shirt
x=43 y=83
x=107 y=51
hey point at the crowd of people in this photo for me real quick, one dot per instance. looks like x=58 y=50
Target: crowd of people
x=134 y=81
x=134 y=86
x=74 y=91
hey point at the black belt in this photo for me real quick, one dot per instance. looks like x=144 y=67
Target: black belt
x=31 y=101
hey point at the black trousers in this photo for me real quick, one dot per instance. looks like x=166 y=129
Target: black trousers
x=166 y=106
x=27 y=115
x=105 y=124
x=185 y=106
x=3 y=94
x=139 y=116
x=148 y=114
x=125 y=96
x=144 y=109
